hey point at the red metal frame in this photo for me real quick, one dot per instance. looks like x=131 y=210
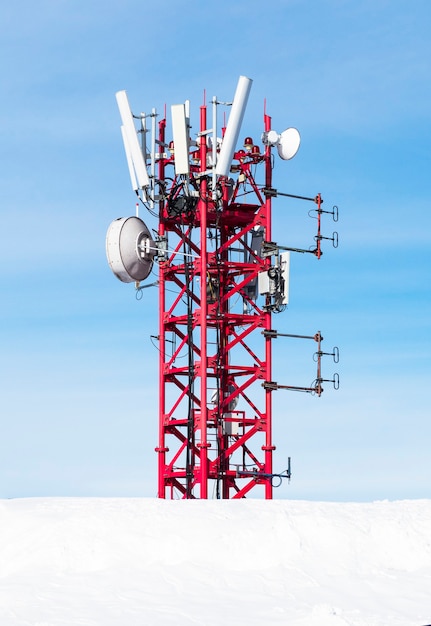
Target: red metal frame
x=220 y=278
x=214 y=352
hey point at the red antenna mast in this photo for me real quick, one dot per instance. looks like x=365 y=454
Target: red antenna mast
x=220 y=279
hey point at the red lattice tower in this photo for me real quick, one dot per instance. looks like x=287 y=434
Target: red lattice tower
x=220 y=279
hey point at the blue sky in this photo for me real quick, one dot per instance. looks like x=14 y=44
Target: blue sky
x=79 y=373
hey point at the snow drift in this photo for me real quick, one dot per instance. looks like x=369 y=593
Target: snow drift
x=136 y=562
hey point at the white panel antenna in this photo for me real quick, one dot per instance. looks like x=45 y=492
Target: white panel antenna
x=233 y=126
x=181 y=139
x=132 y=140
x=133 y=180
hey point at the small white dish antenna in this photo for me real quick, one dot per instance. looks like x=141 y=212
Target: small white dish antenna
x=129 y=249
x=287 y=142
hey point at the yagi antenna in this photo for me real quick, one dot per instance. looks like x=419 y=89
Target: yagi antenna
x=131 y=144
x=233 y=126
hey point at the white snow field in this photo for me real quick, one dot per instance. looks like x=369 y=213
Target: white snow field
x=136 y=562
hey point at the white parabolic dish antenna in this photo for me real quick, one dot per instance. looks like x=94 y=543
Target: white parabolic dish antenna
x=126 y=249
x=288 y=143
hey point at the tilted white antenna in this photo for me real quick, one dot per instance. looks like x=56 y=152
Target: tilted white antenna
x=132 y=143
x=233 y=126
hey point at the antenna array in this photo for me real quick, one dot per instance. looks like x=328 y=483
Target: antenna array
x=221 y=277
